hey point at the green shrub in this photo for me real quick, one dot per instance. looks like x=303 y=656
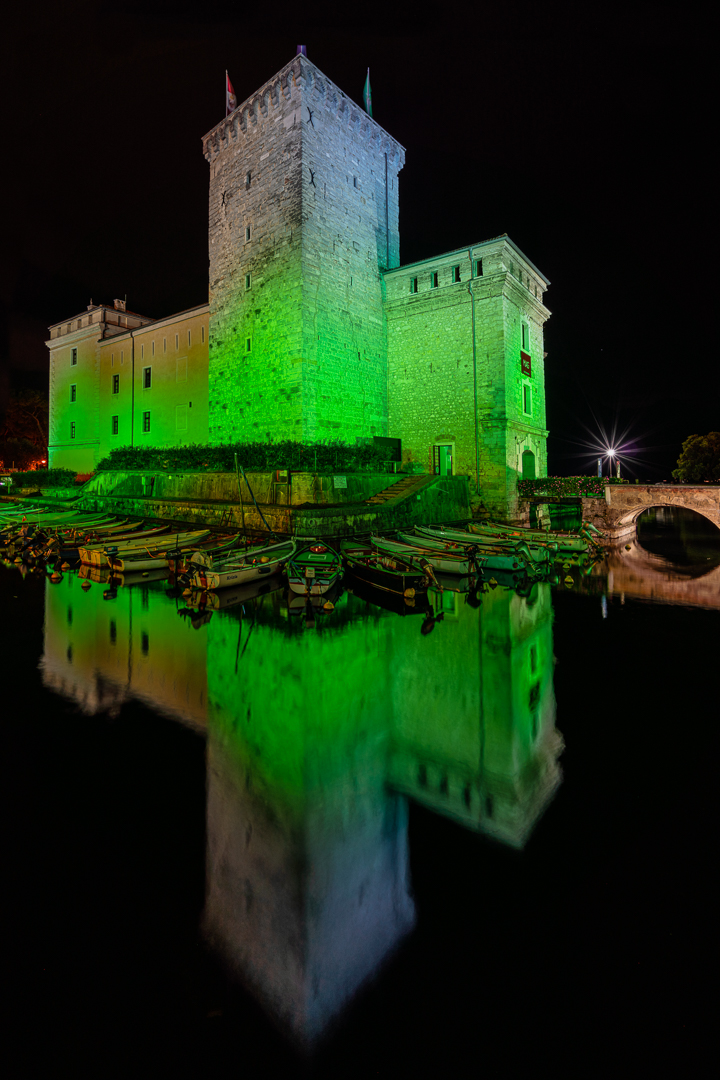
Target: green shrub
x=322 y=457
x=44 y=478
x=563 y=485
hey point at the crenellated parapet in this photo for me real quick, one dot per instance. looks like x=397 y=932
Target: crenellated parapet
x=300 y=81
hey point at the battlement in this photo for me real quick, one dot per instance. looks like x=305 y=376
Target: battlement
x=300 y=79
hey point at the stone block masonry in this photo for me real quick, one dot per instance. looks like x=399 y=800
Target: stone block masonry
x=489 y=410
x=303 y=217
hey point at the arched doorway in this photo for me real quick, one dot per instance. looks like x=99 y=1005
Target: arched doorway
x=528 y=465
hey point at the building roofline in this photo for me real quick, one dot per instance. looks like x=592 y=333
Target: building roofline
x=282 y=72
x=463 y=250
x=156 y=323
x=97 y=307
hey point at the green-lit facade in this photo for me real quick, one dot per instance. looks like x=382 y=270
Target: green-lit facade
x=313 y=329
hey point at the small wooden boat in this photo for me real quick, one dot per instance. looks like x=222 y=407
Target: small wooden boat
x=218 y=600
x=206 y=553
x=391 y=573
x=566 y=541
x=134 y=557
x=313 y=569
x=419 y=604
x=242 y=567
x=537 y=557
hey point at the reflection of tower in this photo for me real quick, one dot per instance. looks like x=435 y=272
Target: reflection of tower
x=307 y=866
x=474 y=721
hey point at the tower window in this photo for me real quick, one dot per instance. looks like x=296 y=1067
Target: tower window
x=477 y=268
x=456 y=274
x=433 y=279
x=115 y=424
x=354 y=181
x=147 y=378
x=248 y=345
x=247 y=232
x=248 y=178
x=247 y=281
x=413 y=284
x=116 y=384
x=72 y=429
x=146 y=421
x=527 y=399
x=526 y=337
x=73 y=391
x=73 y=357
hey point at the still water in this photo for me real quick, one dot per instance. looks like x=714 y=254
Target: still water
x=234 y=834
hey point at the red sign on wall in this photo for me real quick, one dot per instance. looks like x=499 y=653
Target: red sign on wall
x=525 y=364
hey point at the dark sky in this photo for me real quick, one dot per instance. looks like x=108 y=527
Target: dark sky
x=583 y=131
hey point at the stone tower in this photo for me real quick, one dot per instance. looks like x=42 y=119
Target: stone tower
x=303 y=219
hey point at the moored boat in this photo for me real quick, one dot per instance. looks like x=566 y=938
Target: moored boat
x=313 y=569
x=245 y=566
x=391 y=573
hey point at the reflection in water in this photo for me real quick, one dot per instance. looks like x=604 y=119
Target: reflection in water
x=316 y=738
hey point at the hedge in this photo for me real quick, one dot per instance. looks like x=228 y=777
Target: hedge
x=44 y=478
x=560 y=486
x=320 y=457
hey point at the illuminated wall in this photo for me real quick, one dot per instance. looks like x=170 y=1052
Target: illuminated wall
x=431 y=380
x=303 y=216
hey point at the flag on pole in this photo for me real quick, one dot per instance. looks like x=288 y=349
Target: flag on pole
x=230 y=99
x=367 y=95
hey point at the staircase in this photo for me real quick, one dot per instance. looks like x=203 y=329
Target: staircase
x=397 y=490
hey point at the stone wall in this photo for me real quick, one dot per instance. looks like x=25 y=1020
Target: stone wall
x=298 y=210
x=431 y=377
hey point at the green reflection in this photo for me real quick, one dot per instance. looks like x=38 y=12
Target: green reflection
x=316 y=738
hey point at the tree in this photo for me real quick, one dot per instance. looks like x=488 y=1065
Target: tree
x=26 y=419
x=700 y=459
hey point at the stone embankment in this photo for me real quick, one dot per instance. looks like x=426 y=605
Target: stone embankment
x=310 y=505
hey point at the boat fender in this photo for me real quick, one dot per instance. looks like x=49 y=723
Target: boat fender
x=409 y=594
x=55 y=577
x=318 y=549
x=569 y=582
x=85 y=585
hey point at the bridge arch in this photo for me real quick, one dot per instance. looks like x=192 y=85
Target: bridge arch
x=629 y=502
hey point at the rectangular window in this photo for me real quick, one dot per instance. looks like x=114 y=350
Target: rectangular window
x=456 y=274
x=247 y=232
x=164 y=344
x=477 y=268
x=413 y=284
x=115 y=424
x=527 y=399
x=73 y=391
x=247 y=281
x=433 y=279
x=248 y=344
x=72 y=429
x=116 y=384
x=73 y=357
x=142 y=352
x=152 y=348
x=202 y=333
x=146 y=421
x=526 y=337
x=112 y=359
x=147 y=378
x=189 y=338
x=177 y=342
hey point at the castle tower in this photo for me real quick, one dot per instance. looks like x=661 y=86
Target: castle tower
x=303 y=219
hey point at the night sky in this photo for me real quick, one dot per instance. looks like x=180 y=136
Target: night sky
x=585 y=135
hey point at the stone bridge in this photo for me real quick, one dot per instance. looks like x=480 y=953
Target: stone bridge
x=616 y=514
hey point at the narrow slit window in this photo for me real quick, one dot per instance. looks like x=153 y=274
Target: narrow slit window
x=247 y=281
x=152 y=348
x=248 y=179
x=142 y=352
x=202 y=334
x=189 y=338
x=248 y=345
x=247 y=232
x=164 y=344
x=177 y=342
x=527 y=399
x=413 y=285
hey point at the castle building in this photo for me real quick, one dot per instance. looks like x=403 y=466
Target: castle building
x=313 y=330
